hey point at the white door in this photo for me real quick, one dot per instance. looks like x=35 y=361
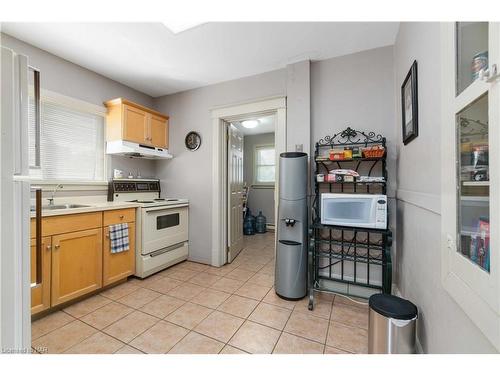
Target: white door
x=235 y=192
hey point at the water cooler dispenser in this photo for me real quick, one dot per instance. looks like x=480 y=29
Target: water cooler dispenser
x=291 y=249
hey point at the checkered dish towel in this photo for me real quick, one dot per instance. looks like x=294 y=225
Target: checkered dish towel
x=118 y=234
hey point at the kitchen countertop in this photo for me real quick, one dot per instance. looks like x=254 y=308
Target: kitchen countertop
x=93 y=207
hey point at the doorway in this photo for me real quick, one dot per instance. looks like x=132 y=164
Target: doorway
x=274 y=108
x=251 y=180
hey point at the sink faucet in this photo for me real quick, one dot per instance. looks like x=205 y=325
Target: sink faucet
x=51 y=199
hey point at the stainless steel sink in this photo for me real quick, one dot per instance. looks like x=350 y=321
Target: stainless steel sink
x=61 y=206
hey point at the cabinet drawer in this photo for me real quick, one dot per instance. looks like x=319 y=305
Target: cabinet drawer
x=67 y=223
x=126 y=215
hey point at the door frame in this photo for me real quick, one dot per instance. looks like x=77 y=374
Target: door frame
x=266 y=106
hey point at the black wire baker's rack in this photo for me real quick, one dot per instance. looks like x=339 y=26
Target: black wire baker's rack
x=353 y=257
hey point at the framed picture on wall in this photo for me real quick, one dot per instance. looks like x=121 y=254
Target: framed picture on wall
x=409 y=105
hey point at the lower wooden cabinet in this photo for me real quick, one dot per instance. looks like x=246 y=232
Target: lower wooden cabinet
x=40 y=293
x=118 y=266
x=77 y=258
x=76 y=264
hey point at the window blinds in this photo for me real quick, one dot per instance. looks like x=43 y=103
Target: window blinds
x=71 y=143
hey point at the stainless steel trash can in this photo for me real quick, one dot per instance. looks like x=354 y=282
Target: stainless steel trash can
x=391 y=325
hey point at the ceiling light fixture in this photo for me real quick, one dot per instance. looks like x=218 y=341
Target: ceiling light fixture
x=250 y=124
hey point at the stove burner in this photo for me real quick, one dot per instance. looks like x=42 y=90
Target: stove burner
x=138 y=201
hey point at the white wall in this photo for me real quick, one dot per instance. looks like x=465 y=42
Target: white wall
x=63 y=77
x=189 y=174
x=443 y=327
x=259 y=198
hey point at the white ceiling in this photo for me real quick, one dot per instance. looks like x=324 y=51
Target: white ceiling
x=150 y=58
x=266 y=125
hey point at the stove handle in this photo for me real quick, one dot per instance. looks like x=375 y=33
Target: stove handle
x=160 y=208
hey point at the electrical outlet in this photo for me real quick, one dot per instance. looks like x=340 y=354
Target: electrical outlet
x=299 y=148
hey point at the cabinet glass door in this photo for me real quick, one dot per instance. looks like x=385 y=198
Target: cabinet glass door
x=472 y=52
x=473 y=202
x=473 y=176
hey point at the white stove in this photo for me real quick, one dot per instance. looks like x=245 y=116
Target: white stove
x=162 y=224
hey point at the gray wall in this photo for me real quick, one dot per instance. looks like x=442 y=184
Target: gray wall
x=298 y=110
x=63 y=77
x=260 y=198
x=443 y=327
x=189 y=174
x=357 y=91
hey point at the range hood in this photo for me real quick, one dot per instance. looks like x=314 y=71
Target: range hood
x=136 y=150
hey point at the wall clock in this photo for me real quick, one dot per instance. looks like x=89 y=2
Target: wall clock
x=193 y=141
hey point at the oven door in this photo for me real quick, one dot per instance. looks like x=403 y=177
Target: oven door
x=163 y=227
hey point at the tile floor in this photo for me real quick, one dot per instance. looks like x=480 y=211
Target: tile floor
x=193 y=308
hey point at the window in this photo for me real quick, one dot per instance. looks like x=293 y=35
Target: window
x=71 y=142
x=264 y=165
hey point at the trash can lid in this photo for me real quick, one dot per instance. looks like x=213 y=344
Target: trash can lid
x=393 y=307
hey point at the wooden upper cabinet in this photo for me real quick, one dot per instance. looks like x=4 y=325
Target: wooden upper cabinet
x=159 y=131
x=133 y=122
x=135 y=125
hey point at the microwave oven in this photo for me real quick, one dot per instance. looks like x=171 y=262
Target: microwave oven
x=354 y=210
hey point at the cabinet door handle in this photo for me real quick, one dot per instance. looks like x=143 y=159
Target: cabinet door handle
x=122 y=216
x=57 y=246
x=49 y=247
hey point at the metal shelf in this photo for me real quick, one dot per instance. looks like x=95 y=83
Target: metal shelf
x=353 y=182
x=353 y=229
x=349 y=160
x=349 y=246
x=350 y=258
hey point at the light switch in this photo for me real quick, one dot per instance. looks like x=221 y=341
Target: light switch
x=449 y=240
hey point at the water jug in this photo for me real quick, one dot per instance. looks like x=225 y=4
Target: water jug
x=260 y=223
x=249 y=224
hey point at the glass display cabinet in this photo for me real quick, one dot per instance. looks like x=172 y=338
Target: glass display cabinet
x=470 y=206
